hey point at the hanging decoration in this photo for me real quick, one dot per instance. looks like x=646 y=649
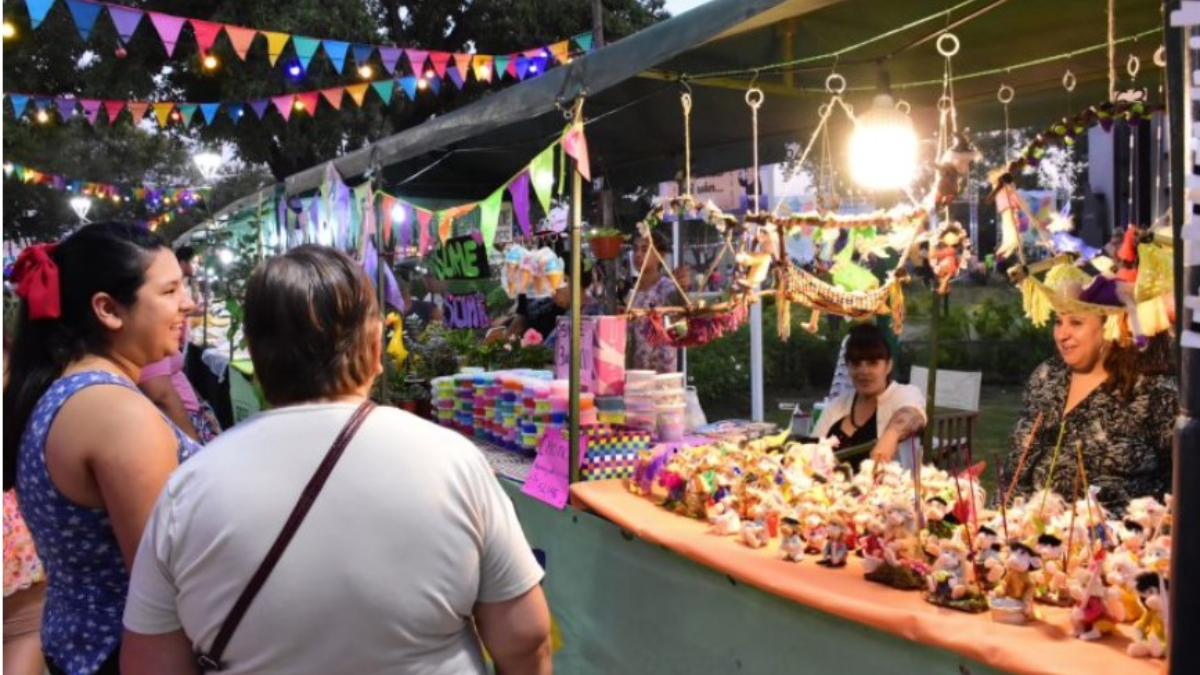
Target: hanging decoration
x=126 y=20
x=154 y=197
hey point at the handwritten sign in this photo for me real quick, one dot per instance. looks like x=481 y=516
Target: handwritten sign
x=549 y=478
x=461 y=258
x=466 y=311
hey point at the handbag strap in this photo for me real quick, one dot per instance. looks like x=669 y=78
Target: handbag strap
x=211 y=660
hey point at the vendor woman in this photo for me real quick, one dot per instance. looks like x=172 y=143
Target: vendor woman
x=1103 y=401
x=878 y=410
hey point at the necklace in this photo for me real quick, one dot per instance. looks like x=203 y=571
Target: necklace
x=850 y=417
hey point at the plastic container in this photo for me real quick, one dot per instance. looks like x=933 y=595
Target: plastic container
x=669 y=381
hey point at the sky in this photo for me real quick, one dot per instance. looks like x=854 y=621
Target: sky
x=676 y=7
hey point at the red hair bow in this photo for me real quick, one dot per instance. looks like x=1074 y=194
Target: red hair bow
x=37 y=281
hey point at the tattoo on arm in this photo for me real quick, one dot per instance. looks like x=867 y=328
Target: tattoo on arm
x=905 y=422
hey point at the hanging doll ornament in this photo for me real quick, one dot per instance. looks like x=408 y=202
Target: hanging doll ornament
x=949 y=248
x=954 y=168
x=1004 y=194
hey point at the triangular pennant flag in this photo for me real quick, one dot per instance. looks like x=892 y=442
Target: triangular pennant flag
x=126 y=19
x=560 y=51
x=520 y=67
x=138 y=111
x=259 y=107
x=362 y=54
x=445 y=225
x=309 y=100
x=536 y=66
x=188 y=110
x=91 y=108
x=206 y=34
x=390 y=57
x=501 y=67
x=333 y=96
x=357 y=92
x=209 y=110
x=423 y=218
x=575 y=145
x=462 y=64
x=584 y=40
x=519 y=189
x=336 y=51
x=455 y=77
x=85 y=15
x=38 y=10
x=113 y=110
x=541 y=174
x=439 y=60
x=284 y=105
x=482 y=64
x=241 y=39
x=168 y=28
x=416 y=59
x=275 y=44
x=163 y=112
x=384 y=217
x=305 y=48
x=235 y=111
x=66 y=106
x=489 y=217
x=435 y=85
x=384 y=88
x=409 y=84
x=511 y=70
x=19 y=102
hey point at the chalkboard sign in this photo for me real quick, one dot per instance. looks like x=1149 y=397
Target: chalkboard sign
x=461 y=258
x=468 y=310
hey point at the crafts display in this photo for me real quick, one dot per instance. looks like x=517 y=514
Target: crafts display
x=536 y=274
x=1042 y=549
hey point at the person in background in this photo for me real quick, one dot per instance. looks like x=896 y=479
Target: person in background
x=878 y=410
x=166 y=383
x=24 y=577
x=1103 y=399
x=89 y=451
x=411 y=555
x=653 y=289
x=425 y=312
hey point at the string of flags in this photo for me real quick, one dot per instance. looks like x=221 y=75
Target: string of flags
x=422 y=63
x=155 y=197
x=183 y=112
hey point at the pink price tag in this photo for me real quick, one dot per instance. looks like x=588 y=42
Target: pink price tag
x=549 y=478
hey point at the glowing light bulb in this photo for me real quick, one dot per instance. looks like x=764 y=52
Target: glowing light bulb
x=42 y=116
x=295 y=70
x=10 y=31
x=299 y=105
x=883 y=147
x=544 y=179
x=366 y=72
x=176 y=116
x=429 y=74
x=422 y=83
x=210 y=62
x=399 y=213
x=485 y=72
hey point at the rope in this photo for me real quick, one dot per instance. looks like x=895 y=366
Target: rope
x=825 y=111
x=754 y=99
x=686 y=101
x=1062 y=430
x=1112 y=53
x=1012 y=481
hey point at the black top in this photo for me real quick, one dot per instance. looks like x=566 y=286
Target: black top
x=864 y=433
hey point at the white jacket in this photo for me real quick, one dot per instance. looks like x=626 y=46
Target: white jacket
x=895 y=397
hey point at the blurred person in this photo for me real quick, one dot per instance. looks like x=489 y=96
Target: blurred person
x=652 y=289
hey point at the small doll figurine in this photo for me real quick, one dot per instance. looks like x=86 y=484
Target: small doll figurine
x=726 y=521
x=1133 y=537
x=949 y=582
x=948 y=250
x=1007 y=203
x=1017 y=583
x=1156 y=556
x=1052 y=578
x=791 y=548
x=1149 y=632
x=754 y=532
x=939 y=526
x=756 y=265
x=871 y=545
x=834 y=551
x=989 y=558
x=1091 y=617
x=953 y=168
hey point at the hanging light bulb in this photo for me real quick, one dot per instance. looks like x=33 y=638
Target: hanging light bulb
x=399 y=213
x=883 y=146
x=299 y=105
x=429 y=74
x=10 y=31
x=176 y=116
x=294 y=70
x=365 y=71
x=485 y=71
x=211 y=62
x=422 y=83
x=42 y=116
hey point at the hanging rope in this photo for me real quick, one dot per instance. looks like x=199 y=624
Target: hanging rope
x=1112 y=52
x=1005 y=95
x=754 y=99
x=686 y=101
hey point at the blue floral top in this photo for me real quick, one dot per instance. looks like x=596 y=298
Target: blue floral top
x=85 y=597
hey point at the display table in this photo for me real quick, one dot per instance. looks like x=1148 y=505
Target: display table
x=1042 y=648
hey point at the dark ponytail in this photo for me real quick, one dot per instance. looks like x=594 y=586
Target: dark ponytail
x=103 y=258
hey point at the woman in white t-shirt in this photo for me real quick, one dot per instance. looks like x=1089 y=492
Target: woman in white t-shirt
x=878 y=410
x=411 y=555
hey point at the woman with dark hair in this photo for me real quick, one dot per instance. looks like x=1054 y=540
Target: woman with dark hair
x=1103 y=399
x=653 y=288
x=90 y=453
x=411 y=547
x=877 y=410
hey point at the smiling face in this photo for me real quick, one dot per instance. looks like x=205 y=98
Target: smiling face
x=1080 y=341
x=870 y=376
x=149 y=329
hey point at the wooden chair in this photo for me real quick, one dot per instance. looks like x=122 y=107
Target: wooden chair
x=955 y=415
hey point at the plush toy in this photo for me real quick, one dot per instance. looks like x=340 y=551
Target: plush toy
x=834 y=551
x=1091 y=617
x=791 y=548
x=754 y=266
x=1007 y=205
x=1149 y=632
x=989 y=558
x=1017 y=583
x=953 y=169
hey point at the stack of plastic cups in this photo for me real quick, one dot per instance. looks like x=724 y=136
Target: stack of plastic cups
x=641 y=410
x=483 y=382
x=560 y=402
x=587 y=409
x=443 y=399
x=610 y=410
x=464 y=409
x=671 y=405
x=513 y=387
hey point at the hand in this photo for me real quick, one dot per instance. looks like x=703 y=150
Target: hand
x=885 y=449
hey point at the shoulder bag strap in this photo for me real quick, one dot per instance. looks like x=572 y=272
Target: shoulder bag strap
x=211 y=660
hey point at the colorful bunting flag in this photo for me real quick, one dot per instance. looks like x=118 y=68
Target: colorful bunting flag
x=168 y=28
x=416 y=60
x=187 y=110
x=462 y=64
x=275 y=44
x=38 y=10
x=85 y=15
x=259 y=107
x=18 y=102
x=560 y=51
x=489 y=217
x=66 y=106
x=333 y=96
x=357 y=92
x=455 y=77
x=284 y=105
x=362 y=54
x=137 y=111
x=519 y=189
x=209 y=110
x=91 y=108
x=483 y=67
x=336 y=51
x=126 y=20
x=235 y=112
x=519 y=67
x=541 y=174
x=501 y=67
x=206 y=34
x=163 y=112
x=584 y=40
x=390 y=56
x=305 y=48
x=575 y=144
x=409 y=84
x=384 y=88
x=309 y=100
x=439 y=60
x=241 y=39
x=113 y=110
x=423 y=218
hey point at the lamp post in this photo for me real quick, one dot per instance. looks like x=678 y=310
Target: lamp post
x=81 y=204
x=207 y=164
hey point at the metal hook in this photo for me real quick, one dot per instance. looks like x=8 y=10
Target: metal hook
x=754 y=97
x=1006 y=94
x=948 y=44
x=1133 y=65
x=683 y=82
x=1069 y=80
x=835 y=84
x=1160 y=56
x=754 y=80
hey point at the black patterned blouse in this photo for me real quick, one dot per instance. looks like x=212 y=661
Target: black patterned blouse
x=1126 y=444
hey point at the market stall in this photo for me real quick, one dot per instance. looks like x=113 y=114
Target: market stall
x=620 y=126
